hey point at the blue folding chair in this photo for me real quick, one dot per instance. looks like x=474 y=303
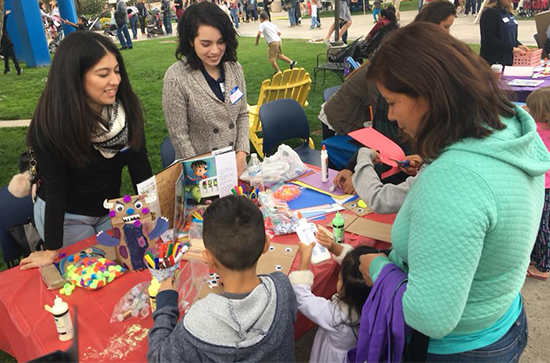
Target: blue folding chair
x=328 y=92
x=15 y=211
x=285 y=119
x=167 y=152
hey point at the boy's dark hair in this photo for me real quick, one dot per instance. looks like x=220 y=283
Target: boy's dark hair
x=205 y=13
x=354 y=291
x=388 y=14
x=391 y=7
x=234 y=232
x=264 y=16
x=436 y=11
x=198 y=164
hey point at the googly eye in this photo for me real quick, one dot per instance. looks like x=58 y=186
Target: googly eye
x=119 y=207
x=217 y=277
x=212 y=275
x=288 y=249
x=138 y=204
x=278 y=267
x=271 y=248
x=360 y=210
x=353 y=205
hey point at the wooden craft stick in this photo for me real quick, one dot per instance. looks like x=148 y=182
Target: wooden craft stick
x=327 y=232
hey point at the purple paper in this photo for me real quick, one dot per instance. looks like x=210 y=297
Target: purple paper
x=315 y=181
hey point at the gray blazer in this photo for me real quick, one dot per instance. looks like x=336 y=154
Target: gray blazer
x=198 y=122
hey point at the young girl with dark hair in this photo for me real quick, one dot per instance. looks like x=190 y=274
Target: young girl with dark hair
x=338 y=318
x=467 y=226
x=204 y=95
x=440 y=12
x=538 y=104
x=87 y=126
x=386 y=17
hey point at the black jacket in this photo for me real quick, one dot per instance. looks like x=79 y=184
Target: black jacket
x=498 y=36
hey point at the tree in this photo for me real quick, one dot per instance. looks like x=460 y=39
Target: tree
x=90 y=7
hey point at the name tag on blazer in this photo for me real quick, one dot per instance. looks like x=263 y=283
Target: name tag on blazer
x=235 y=95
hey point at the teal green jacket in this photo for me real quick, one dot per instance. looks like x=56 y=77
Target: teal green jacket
x=466 y=229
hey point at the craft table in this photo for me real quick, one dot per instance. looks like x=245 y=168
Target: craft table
x=523 y=92
x=27 y=331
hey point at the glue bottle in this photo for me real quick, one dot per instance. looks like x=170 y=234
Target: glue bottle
x=306 y=232
x=338 y=228
x=62 y=317
x=324 y=165
x=153 y=291
x=255 y=173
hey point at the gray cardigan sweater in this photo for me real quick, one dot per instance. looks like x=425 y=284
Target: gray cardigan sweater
x=257 y=328
x=198 y=122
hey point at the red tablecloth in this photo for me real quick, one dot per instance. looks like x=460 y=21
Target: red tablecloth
x=27 y=331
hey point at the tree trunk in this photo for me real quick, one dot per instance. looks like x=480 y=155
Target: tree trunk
x=78 y=6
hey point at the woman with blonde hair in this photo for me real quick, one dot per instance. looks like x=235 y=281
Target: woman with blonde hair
x=499 y=33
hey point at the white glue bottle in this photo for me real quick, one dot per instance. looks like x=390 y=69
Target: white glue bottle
x=324 y=165
x=306 y=232
x=62 y=317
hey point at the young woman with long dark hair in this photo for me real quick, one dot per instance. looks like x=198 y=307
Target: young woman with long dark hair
x=87 y=126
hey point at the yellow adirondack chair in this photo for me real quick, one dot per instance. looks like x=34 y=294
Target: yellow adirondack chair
x=292 y=83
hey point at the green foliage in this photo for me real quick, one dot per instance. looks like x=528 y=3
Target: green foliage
x=91 y=6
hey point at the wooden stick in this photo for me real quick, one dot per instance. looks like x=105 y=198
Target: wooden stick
x=327 y=232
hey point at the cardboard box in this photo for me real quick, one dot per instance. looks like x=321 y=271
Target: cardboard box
x=542 y=20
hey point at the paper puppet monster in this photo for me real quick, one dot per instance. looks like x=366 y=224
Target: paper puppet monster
x=131 y=220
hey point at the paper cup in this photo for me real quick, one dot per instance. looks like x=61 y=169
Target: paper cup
x=165 y=273
x=497 y=70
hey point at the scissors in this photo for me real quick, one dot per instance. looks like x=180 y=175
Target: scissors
x=402 y=163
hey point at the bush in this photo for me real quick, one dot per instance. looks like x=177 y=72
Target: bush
x=91 y=6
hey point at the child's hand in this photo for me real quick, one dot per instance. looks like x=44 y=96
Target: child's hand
x=305 y=255
x=364 y=267
x=325 y=240
x=343 y=180
x=416 y=163
x=167 y=284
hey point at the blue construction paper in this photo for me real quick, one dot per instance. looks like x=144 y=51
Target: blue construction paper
x=310 y=198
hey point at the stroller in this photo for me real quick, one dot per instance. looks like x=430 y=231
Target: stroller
x=532 y=7
x=154 y=27
x=56 y=29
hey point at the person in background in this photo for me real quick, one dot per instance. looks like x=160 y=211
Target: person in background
x=386 y=17
x=87 y=127
x=344 y=23
x=272 y=36
x=166 y=8
x=377 y=6
x=133 y=16
x=396 y=4
x=538 y=105
x=546 y=44
x=499 y=33
x=290 y=6
x=121 y=17
x=7 y=48
x=234 y=8
x=143 y=13
x=204 y=93
x=457 y=235
x=252 y=320
x=267 y=8
x=314 y=15
x=179 y=8
x=440 y=12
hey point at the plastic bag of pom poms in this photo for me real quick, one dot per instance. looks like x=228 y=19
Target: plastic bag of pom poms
x=279 y=219
x=134 y=304
x=92 y=272
x=287 y=192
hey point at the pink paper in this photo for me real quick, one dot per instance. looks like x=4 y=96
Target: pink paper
x=386 y=148
x=315 y=180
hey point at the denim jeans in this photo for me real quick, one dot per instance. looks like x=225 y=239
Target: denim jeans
x=291 y=16
x=235 y=15
x=470 y=5
x=75 y=227
x=167 y=20
x=375 y=13
x=314 y=22
x=133 y=25
x=122 y=32
x=508 y=349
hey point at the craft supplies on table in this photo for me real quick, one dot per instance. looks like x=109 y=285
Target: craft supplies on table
x=62 y=318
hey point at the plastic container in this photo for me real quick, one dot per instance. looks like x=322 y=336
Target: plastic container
x=324 y=165
x=255 y=173
x=338 y=228
x=306 y=232
x=63 y=321
x=153 y=291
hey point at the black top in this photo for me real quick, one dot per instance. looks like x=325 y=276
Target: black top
x=178 y=4
x=216 y=85
x=499 y=30
x=65 y=188
x=5 y=42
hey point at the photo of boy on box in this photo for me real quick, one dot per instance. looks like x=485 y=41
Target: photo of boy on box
x=252 y=320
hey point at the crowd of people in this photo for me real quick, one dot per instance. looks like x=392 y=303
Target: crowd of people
x=472 y=208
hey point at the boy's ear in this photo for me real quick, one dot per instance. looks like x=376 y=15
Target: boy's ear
x=267 y=244
x=209 y=259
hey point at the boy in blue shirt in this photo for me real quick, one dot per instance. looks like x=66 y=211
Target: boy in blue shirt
x=252 y=320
